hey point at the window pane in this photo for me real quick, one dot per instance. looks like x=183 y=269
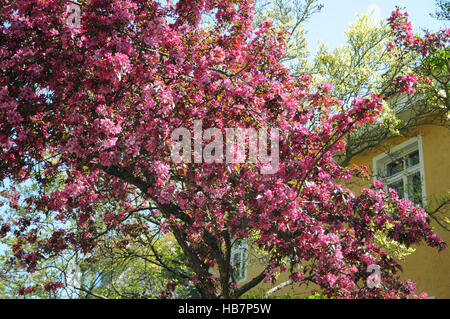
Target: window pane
x=398 y=186
x=236 y=259
x=412 y=159
x=239 y=260
x=394 y=167
x=415 y=188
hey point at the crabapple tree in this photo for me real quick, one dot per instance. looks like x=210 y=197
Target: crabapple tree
x=97 y=103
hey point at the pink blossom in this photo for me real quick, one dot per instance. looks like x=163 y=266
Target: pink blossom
x=378 y=184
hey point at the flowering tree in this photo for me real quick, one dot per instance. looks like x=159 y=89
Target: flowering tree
x=372 y=61
x=98 y=102
x=434 y=68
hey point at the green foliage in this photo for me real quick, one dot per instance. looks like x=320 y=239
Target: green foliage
x=362 y=65
x=290 y=16
x=316 y=295
x=120 y=266
x=136 y=271
x=437 y=67
x=442 y=10
x=393 y=248
x=263 y=296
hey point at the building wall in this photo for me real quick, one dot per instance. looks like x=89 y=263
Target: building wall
x=426 y=266
x=429 y=268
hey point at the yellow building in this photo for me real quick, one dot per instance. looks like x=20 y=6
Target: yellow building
x=422 y=174
x=417 y=165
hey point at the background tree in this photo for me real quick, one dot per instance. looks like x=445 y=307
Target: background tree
x=290 y=16
x=442 y=10
x=120 y=266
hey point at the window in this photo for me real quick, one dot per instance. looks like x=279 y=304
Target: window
x=401 y=168
x=239 y=256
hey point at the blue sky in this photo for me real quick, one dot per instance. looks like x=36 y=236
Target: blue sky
x=329 y=25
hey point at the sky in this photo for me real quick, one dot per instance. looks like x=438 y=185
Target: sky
x=329 y=24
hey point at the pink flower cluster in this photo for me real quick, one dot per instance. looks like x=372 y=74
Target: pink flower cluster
x=405 y=37
x=406 y=83
x=52 y=286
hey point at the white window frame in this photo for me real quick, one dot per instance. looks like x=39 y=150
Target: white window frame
x=242 y=251
x=381 y=161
